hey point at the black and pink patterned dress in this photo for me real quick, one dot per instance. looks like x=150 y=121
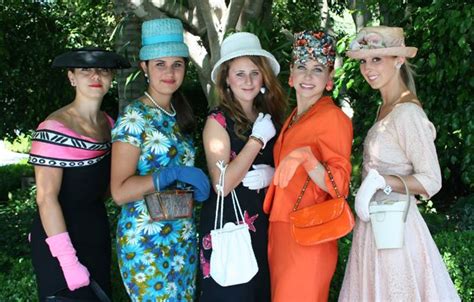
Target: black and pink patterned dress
x=85 y=181
x=251 y=202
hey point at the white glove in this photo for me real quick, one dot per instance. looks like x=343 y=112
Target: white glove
x=258 y=178
x=372 y=182
x=263 y=128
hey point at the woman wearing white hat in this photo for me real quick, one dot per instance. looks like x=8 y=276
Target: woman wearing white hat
x=401 y=142
x=240 y=133
x=70 y=236
x=153 y=149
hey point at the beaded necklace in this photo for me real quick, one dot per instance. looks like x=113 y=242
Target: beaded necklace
x=173 y=111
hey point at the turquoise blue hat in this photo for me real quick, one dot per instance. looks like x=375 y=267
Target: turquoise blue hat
x=162 y=38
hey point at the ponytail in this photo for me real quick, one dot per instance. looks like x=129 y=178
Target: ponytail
x=408 y=74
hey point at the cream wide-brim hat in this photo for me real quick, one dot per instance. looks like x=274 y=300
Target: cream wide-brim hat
x=380 y=41
x=239 y=45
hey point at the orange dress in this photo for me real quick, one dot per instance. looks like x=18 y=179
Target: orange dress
x=304 y=273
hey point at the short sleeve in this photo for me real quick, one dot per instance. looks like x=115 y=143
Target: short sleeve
x=416 y=135
x=218 y=115
x=130 y=126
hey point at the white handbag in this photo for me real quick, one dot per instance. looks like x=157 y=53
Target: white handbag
x=388 y=216
x=232 y=259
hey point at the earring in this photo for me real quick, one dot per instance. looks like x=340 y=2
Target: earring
x=329 y=85
x=290 y=81
x=263 y=90
x=73 y=84
x=398 y=65
x=146 y=78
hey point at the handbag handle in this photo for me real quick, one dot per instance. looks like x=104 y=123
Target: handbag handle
x=331 y=178
x=405 y=214
x=220 y=198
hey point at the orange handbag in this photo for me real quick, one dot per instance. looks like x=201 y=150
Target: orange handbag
x=321 y=222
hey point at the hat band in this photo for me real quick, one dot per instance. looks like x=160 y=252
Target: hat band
x=161 y=39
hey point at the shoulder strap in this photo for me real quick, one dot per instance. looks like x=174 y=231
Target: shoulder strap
x=298 y=201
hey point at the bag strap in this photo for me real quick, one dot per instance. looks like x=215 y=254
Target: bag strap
x=405 y=214
x=220 y=199
x=297 y=203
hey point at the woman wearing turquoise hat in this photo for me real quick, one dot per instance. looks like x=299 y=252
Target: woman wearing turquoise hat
x=153 y=149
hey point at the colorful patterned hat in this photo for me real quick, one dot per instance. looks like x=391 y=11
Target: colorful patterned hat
x=314 y=45
x=162 y=38
x=243 y=44
x=380 y=41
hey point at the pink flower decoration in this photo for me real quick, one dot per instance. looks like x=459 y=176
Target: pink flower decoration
x=207 y=242
x=249 y=221
x=219 y=117
x=205 y=265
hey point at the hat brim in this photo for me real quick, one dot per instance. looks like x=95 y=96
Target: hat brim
x=243 y=53
x=90 y=58
x=408 y=52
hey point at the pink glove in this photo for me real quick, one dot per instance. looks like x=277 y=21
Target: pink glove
x=287 y=167
x=75 y=273
x=372 y=182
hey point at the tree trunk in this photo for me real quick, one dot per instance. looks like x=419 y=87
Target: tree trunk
x=205 y=23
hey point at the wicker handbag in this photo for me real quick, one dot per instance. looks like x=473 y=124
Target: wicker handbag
x=321 y=222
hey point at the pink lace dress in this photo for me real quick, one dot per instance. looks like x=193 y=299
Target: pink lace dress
x=401 y=143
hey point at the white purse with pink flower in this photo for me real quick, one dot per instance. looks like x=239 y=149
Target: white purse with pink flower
x=232 y=259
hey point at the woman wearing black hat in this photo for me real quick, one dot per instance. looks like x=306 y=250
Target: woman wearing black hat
x=71 y=152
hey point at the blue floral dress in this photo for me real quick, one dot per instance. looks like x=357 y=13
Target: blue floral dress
x=157 y=260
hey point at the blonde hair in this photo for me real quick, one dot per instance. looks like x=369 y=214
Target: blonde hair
x=408 y=76
x=273 y=101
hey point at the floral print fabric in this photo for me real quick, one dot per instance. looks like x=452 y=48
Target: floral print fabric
x=157 y=260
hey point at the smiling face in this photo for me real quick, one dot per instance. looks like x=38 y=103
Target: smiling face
x=165 y=75
x=380 y=72
x=91 y=82
x=244 y=79
x=310 y=79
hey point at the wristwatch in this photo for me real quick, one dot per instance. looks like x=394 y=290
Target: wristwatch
x=387 y=190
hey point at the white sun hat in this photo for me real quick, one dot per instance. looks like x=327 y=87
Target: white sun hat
x=243 y=44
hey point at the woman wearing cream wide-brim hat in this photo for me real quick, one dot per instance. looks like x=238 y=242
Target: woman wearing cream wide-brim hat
x=401 y=142
x=239 y=132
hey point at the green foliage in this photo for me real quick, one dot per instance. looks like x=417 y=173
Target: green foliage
x=20 y=144
x=32 y=34
x=10 y=178
x=442 y=31
x=457 y=250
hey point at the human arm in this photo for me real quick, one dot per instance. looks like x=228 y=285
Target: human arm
x=125 y=185
x=415 y=135
x=48 y=184
x=217 y=148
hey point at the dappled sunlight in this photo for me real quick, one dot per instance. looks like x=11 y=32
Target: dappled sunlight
x=216 y=146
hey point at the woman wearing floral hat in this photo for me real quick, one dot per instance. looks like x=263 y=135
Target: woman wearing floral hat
x=153 y=149
x=317 y=132
x=70 y=237
x=401 y=142
x=240 y=133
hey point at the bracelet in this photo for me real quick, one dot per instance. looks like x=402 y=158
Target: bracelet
x=259 y=140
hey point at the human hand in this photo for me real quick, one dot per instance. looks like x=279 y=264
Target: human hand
x=263 y=128
x=196 y=178
x=259 y=177
x=287 y=167
x=372 y=182
x=75 y=274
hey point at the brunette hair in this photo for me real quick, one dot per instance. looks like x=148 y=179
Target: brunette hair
x=273 y=101
x=184 y=112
